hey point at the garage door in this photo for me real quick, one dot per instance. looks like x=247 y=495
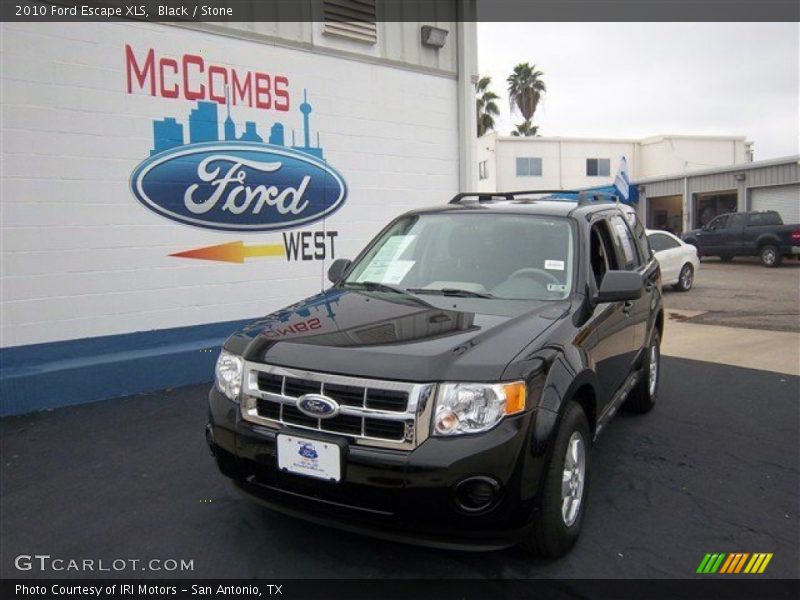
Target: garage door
x=783 y=198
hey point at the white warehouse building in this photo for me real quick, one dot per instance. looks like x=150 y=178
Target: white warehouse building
x=143 y=218
x=682 y=181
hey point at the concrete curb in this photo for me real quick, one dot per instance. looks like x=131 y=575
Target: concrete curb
x=777 y=351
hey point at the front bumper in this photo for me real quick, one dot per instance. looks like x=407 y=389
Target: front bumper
x=406 y=496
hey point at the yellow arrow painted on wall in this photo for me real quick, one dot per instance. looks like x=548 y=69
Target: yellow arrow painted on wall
x=234 y=252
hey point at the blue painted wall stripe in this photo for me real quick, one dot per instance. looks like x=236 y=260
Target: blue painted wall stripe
x=42 y=376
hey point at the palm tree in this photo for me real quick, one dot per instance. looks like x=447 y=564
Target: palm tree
x=486 y=105
x=525 y=89
x=524 y=129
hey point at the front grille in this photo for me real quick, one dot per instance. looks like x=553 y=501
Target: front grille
x=268 y=382
x=373 y=412
x=295 y=417
x=348 y=395
x=298 y=387
x=378 y=428
x=387 y=400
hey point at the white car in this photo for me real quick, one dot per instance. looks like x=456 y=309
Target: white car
x=678 y=260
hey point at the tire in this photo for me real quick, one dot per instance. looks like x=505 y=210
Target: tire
x=685 y=279
x=557 y=524
x=770 y=256
x=643 y=397
x=726 y=258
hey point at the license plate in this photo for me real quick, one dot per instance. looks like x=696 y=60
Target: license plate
x=312 y=458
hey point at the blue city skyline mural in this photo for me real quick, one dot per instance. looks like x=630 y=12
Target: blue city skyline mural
x=168 y=133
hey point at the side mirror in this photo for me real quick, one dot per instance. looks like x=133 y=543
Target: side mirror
x=619 y=286
x=337 y=269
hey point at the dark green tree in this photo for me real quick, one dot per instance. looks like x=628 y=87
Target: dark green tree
x=525 y=90
x=486 y=102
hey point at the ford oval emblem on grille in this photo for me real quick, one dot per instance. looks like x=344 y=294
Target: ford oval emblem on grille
x=317 y=406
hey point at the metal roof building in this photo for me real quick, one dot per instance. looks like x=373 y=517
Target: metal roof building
x=688 y=200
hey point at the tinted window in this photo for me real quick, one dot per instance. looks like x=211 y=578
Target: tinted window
x=719 y=222
x=598 y=167
x=659 y=242
x=601 y=252
x=623 y=239
x=737 y=220
x=508 y=256
x=765 y=218
x=529 y=167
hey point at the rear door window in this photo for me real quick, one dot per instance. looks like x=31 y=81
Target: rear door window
x=659 y=242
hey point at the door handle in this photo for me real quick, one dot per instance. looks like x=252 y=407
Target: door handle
x=627 y=307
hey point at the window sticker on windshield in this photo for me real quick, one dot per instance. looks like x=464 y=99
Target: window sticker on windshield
x=554 y=265
x=386 y=271
x=556 y=287
x=394 y=247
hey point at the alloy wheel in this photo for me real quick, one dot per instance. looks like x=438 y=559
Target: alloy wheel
x=687 y=277
x=573 y=479
x=652 y=381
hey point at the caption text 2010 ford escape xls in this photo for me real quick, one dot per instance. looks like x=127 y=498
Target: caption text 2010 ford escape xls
x=447 y=388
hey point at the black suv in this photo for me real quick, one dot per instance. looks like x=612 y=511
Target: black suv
x=447 y=388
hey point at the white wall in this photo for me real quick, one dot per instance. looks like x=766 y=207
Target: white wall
x=683 y=154
x=564 y=159
x=82 y=257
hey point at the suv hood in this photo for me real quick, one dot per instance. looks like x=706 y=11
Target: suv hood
x=387 y=335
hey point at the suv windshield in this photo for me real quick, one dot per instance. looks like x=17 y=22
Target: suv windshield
x=517 y=257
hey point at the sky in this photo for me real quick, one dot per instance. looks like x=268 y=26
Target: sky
x=633 y=80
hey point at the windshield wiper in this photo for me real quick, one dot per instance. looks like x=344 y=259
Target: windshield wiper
x=451 y=292
x=375 y=285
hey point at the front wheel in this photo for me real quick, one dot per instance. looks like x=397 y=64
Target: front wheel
x=562 y=499
x=685 y=279
x=770 y=256
x=642 y=398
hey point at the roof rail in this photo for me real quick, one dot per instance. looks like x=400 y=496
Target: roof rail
x=489 y=196
x=591 y=197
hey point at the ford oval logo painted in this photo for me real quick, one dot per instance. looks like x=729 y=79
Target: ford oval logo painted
x=239 y=186
x=318 y=406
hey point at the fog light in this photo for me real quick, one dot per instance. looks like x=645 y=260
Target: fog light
x=477 y=493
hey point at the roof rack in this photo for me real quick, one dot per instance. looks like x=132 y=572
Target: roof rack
x=489 y=196
x=589 y=197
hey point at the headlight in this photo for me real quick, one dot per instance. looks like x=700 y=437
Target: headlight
x=228 y=374
x=475 y=407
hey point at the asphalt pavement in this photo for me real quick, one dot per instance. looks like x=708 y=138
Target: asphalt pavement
x=742 y=293
x=714 y=468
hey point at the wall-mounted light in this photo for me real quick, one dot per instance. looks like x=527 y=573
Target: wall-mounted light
x=740 y=177
x=434 y=37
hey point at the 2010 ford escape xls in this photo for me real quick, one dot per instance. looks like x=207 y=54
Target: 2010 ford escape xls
x=446 y=390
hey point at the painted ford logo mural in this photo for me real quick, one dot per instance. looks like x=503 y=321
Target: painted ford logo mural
x=240 y=183
x=317 y=406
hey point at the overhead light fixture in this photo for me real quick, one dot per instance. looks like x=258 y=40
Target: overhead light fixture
x=740 y=177
x=434 y=37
